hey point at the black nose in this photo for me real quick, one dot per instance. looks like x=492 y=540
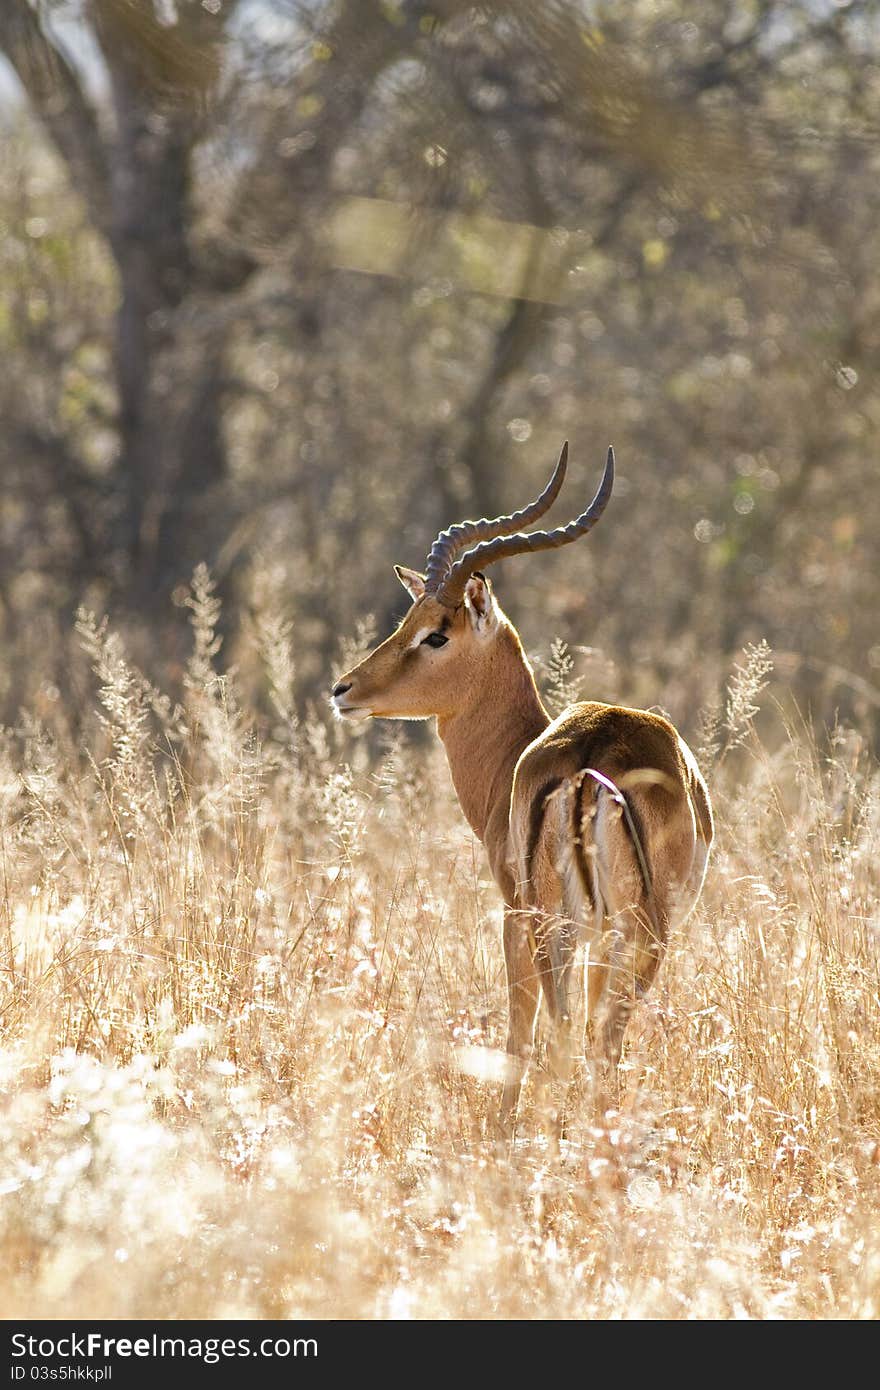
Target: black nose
x=340 y=689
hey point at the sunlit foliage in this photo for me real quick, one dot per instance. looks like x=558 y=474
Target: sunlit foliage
x=251 y=993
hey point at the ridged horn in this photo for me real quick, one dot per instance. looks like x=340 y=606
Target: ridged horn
x=451 y=590
x=450 y=543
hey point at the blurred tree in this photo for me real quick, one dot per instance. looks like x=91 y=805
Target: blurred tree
x=136 y=173
x=337 y=262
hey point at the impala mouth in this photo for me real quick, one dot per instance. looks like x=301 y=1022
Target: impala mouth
x=351 y=712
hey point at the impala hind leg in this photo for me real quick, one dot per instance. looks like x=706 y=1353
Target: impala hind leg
x=565 y=1058
x=633 y=954
x=596 y=977
x=580 y=1088
x=523 y=990
x=556 y=943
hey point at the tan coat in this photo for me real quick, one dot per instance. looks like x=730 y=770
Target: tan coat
x=597 y=825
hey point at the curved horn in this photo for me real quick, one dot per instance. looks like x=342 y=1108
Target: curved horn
x=449 y=543
x=451 y=591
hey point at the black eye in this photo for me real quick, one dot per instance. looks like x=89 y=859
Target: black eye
x=435 y=639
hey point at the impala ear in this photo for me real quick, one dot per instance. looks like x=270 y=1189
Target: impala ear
x=480 y=601
x=412 y=581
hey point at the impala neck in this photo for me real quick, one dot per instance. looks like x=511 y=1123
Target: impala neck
x=485 y=738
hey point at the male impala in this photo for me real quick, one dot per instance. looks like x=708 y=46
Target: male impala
x=597 y=824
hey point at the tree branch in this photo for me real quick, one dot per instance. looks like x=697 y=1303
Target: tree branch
x=57 y=98
x=363 y=39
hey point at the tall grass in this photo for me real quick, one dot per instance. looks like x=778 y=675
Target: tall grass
x=251 y=993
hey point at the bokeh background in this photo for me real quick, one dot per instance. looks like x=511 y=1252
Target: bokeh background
x=284 y=289
x=287 y=287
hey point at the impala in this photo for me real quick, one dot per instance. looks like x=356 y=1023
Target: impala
x=597 y=824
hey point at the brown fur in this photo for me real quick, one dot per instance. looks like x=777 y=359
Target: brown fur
x=537 y=812
x=576 y=830
x=570 y=860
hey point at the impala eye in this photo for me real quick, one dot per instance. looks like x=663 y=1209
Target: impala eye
x=435 y=639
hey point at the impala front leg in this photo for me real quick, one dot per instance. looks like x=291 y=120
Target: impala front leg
x=523 y=991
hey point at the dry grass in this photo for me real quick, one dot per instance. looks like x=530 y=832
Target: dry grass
x=247 y=989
